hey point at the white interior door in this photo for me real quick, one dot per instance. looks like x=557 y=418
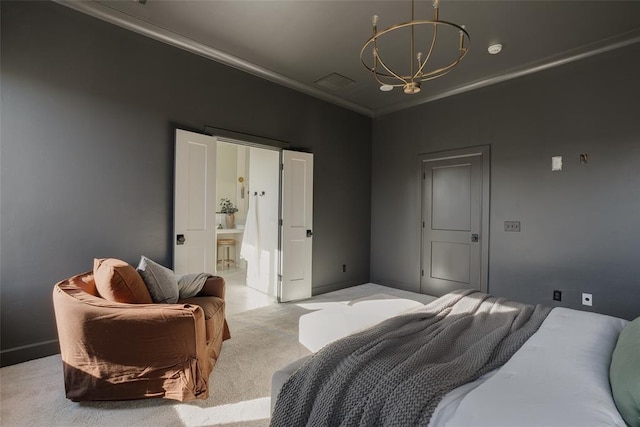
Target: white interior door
x=194 y=203
x=297 y=226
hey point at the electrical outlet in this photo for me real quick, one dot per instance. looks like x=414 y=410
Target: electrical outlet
x=557 y=295
x=587 y=299
x=512 y=226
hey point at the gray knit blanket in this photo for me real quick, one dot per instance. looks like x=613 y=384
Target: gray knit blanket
x=396 y=373
x=190 y=284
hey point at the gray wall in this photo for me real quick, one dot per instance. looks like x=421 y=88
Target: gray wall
x=88 y=118
x=580 y=227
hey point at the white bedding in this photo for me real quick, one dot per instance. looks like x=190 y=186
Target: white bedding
x=560 y=377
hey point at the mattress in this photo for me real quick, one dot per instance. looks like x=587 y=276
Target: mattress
x=559 y=377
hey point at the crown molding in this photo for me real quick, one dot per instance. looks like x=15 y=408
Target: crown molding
x=105 y=13
x=594 y=49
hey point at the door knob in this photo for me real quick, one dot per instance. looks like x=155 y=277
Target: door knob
x=180 y=239
x=309 y=233
x=474 y=237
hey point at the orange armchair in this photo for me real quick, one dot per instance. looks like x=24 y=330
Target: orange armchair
x=118 y=351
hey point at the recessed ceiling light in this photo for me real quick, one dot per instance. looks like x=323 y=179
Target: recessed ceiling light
x=495 y=49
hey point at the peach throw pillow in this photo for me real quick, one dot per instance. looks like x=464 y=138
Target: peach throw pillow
x=117 y=281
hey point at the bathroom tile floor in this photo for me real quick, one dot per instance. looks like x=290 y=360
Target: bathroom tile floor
x=239 y=297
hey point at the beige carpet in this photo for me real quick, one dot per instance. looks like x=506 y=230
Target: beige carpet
x=263 y=340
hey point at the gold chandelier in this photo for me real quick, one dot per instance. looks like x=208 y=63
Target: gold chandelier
x=418 y=71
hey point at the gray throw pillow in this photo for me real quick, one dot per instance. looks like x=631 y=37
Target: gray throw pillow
x=624 y=373
x=161 y=281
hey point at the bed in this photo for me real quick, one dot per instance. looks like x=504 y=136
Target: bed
x=561 y=375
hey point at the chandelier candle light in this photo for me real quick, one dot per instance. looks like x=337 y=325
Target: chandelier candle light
x=418 y=72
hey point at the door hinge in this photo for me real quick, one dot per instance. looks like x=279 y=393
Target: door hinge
x=281 y=166
x=422 y=273
x=280 y=222
x=424 y=175
x=279 y=277
x=422 y=224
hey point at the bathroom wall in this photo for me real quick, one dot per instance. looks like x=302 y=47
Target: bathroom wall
x=264 y=177
x=242 y=188
x=226 y=173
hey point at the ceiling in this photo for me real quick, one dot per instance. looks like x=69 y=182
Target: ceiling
x=297 y=42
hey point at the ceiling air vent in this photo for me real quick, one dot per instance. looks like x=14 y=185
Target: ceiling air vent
x=334 y=81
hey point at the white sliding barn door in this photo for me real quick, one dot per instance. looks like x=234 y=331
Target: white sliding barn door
x=297 y=226
x=194 y=203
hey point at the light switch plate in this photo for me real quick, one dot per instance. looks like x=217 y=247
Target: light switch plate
x=556 y=163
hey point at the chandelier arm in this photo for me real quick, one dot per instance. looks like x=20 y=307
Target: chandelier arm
x=412 y=48
x=378 y=60
x=373 y=69
x=433 y=43
x=433 y=77
x=392 y=74
x=375 y=55
x=444 y=70
x=436 y=9
x=383 y=83
x=377 y=75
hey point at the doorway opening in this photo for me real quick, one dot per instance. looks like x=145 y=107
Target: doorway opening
x=270 y=188
x=248 y=178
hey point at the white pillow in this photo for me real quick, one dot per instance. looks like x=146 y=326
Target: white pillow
x=161 y=281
